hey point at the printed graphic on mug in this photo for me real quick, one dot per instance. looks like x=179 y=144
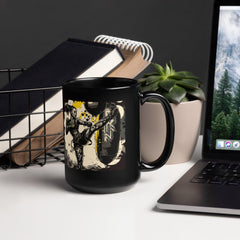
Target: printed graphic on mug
x=94 y=134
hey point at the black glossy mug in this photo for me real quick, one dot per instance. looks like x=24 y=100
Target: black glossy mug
x=101 y=133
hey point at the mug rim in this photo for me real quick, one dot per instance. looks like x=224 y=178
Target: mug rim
x=108 y=83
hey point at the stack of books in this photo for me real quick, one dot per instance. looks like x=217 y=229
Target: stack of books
x=31 y=115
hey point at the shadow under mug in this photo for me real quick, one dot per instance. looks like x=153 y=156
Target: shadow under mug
x=101 y=133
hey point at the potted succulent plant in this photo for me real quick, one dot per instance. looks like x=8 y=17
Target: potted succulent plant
x=184 y=92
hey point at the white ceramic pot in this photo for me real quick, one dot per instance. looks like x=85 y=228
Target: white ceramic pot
x=153 y=130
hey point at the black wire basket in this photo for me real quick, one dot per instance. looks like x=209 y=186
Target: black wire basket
x=46 y=153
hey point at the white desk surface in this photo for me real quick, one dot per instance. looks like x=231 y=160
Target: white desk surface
x=37 y=204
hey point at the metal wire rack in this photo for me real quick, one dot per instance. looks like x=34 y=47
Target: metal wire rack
x=46 y=153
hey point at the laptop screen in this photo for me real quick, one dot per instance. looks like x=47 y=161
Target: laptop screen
x=225 y=112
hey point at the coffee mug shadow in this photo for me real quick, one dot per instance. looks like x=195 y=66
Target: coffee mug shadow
x=55 y=183
x=46 y=181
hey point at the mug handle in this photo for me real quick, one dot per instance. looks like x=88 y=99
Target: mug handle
x=170 y=126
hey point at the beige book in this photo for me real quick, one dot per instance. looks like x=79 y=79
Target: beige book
x=137 y=56
x=132 y=66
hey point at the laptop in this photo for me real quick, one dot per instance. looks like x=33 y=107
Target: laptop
x=212 y=185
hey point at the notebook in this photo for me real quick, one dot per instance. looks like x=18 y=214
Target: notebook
x=212 y=185
x=72 y=58
x=137 y=56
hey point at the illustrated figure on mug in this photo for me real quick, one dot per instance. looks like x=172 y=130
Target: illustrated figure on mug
x=95 y=134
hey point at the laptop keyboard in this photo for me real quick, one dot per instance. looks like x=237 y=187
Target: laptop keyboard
x=220 y=174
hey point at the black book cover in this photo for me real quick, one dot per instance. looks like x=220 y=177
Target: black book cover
x=66 y=61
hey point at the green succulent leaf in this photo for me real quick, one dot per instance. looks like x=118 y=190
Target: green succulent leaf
x=142 y=80
x=151 y=87
x=188 y=83
x=155 y=86
x=170 y=66
x=176 y=76
x=167 y=84
x=187 y=75
x=159 y=68
x=167 y=70
x=197 y=93
x=146 y=88
x=152 y=79
x=175 y=86
x=176 y=95
x=185 y=99
x=151 y=74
